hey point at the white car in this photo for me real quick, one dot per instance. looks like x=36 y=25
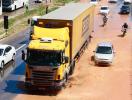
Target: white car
x=7 y=53
x=104 y=53
x=112 y=1
x=127 y=1
x=38 y=1
x=104 y=10
x=95 y=2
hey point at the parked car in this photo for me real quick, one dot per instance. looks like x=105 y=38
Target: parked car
x=104 y=10
x=104 y=53
x=95 y=2
x=112 y=1
x=127 y=1
x=7 y=53
x=125 y=9
x=38 y=1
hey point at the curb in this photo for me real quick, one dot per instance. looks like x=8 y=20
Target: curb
x=2 y=36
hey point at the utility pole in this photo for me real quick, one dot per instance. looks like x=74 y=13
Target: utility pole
x=46 y=4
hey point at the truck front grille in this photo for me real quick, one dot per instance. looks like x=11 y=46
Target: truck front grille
x=42 y=78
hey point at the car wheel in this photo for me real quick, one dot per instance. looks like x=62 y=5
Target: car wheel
x=23 y=4
x=15 y=7
x=13 y=57
x=2 y=64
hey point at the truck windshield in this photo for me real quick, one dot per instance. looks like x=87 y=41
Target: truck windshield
x=6 y=2
x=43 y=58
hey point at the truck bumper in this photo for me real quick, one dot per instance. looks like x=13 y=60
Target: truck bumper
x=56 y=84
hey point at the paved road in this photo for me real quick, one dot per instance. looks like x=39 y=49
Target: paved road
x=13 y=71
x=89 y=82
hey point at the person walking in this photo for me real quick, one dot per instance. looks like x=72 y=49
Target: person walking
x=23 y=55
x=124 y=29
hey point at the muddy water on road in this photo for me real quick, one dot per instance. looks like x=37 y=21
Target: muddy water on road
x=90 y=82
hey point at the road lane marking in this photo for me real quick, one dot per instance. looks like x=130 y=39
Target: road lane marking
x=20 y=47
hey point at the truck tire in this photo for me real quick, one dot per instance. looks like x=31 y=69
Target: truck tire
x=72 y=68
x=65 y=80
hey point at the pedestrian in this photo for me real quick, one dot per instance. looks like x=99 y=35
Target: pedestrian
x=23 y=55
x=124 y=29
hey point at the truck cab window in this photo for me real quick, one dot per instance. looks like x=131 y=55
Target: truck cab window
x=45 y=58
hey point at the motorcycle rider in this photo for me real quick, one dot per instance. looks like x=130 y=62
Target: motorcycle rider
x=105 y=18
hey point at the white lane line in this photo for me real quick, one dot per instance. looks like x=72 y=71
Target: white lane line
x=20 y=47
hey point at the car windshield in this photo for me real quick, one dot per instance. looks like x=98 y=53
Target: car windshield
x=104 y=50
x=126 y=3
x=94 y=0
x=44 y=58
x=125 y=7
x=6 y=2
x=104 y=8
x=1 y=52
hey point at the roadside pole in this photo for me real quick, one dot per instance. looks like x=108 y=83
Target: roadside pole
x=46 y=6
x=47 y=3
x=6 y=26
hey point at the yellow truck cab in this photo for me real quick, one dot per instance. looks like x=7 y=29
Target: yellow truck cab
x=58 y=39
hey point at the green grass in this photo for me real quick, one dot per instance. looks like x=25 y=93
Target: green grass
x=19 y=22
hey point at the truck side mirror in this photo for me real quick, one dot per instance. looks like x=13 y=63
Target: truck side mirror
x=66 y=59
x=28 y=21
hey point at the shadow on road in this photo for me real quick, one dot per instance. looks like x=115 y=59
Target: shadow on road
x=103 y=65
x=20 y=70
x=120 y=35
x=18 y=87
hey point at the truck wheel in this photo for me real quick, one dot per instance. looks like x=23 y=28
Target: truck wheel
x=65 y=80
x=72 y=68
